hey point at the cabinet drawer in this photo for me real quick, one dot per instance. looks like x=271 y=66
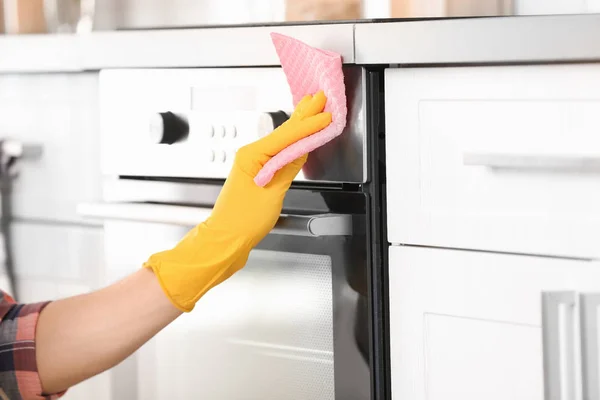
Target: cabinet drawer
x=468 y=325
x=60 y=253
x=495 y=158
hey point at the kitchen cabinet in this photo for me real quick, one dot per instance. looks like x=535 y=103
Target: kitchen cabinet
x=56 y=253
x=500 y=158
x=470 y=326
x=58 y=112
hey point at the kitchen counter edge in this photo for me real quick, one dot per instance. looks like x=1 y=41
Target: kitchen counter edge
x=164 y=48
x=520 y=39
x=536 y=39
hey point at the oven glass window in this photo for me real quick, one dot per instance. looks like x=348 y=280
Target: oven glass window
x=265 y=334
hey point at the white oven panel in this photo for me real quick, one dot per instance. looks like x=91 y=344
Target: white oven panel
x=189 y=123
x=162 y=122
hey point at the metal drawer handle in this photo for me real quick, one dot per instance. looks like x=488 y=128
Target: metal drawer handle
x=589 y=344
x=533 y=162
x=297 y=225
x=558 y=336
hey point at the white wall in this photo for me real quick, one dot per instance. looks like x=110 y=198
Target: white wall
x=533 y=7
x=160 y=13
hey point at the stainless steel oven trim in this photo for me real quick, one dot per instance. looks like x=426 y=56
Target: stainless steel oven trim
x=297 y=225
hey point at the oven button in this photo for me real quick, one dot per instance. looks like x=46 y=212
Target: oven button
x=167 y=128
x=211 y=156
x=222 y=156
x=231 y=131
x=220 y=131
x=200 y=129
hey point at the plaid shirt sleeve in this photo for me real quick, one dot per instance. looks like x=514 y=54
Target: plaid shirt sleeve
x=19 y=377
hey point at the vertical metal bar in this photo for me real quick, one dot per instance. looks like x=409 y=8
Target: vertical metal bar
x=589 y=303
x=559 y=351
x=377 y=243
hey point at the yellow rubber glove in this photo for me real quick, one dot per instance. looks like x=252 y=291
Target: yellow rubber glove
x=242 y=216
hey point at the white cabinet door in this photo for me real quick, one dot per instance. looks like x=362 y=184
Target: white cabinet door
x=495 y=158
x=60 y=113
x=468 y=325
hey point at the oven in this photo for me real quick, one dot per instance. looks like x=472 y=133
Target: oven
x=301 y=320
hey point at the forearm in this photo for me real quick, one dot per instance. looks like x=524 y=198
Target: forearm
x=79 y=337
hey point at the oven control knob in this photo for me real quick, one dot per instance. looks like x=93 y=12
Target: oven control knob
x=268 y=122
x=167 y=128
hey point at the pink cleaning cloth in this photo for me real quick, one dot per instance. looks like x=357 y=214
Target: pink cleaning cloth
x=308 y=70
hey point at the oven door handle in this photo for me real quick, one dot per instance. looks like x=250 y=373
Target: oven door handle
x=295 y=225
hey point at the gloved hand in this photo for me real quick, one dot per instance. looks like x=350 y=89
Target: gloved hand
x=242 y=216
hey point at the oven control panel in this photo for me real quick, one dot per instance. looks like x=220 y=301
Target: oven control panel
x=189 y=123
x=220 y=134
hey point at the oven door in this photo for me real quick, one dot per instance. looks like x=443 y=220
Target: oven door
x=292 y=324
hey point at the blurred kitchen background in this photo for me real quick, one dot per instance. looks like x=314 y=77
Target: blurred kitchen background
x=40 y=16
x=56 y=252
